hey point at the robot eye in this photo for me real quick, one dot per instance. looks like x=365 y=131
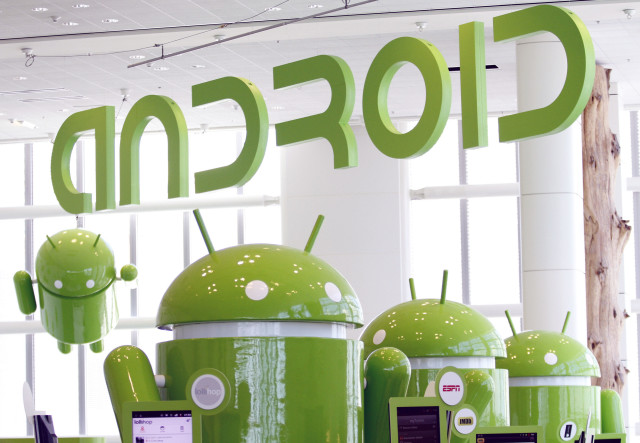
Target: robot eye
x=257 y=290
x=333 y=292
x=90 y=283
x=57 y=284
x=550 y=358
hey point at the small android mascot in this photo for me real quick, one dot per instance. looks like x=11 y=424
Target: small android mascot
x=75 y=274
x=435 y=334
x=550 y=385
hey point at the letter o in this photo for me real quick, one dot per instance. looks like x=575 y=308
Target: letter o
x=437 y=81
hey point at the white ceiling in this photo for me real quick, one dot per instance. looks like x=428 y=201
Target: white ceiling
x=63 y=79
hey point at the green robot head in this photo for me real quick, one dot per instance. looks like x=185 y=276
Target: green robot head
x=75 y=263
x=423 y=328
x=259 y=282
x=548 y=354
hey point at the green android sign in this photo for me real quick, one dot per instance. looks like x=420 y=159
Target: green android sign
x=332 y=124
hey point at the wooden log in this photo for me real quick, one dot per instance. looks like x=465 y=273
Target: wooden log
x=605 y=235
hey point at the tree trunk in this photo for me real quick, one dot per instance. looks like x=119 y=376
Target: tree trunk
x=605 y=235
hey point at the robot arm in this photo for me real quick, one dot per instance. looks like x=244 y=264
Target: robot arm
x=128 y=273
x=612 y=417
x=480 y=389
x=129 y=377
x=387 y=373
x=24 y=291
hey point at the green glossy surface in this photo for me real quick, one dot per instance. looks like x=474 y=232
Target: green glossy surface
x=252 y=104
x=575 y=39
x=129 y=378
x=473 y=85
x=24 y=290
x=283 y=389
x=333 y=123
x=75 y=274
x=437 y=84
x=102 y=120
x=552 y=406
x=387 y=372
x=170 y=115
x=427 y=328
x=129 y=272
x=78 y=320
x=612 y=414
x=496 y=411
x=214 y=288
x=480 y=389
x=80 y=265
x=526 y=354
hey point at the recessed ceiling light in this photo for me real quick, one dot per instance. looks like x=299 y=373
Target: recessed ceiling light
x=80 y=5
x=22 y=123
x=273 y=9
x=19 y=77
x=315 y=6
x=70 y=24
x=63 y=110
x=39 y=9
x=161 y=68
x=218 y=37
x=110 y=20
x=137 y=57
x=277 y=108
x=198 y=66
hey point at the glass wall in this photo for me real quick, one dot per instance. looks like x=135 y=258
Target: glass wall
x=159 y=243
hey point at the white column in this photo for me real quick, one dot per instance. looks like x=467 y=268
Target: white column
x=552 y=221
x=365 y=229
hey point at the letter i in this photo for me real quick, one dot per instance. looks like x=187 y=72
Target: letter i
x=473 y=85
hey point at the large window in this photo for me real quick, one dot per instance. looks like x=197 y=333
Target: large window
x=161 y=243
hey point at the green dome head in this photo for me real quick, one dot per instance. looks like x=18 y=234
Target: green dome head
x=259 y=282
x=429 y=328
x=547 y=353
x=75 y=263
x=434 y=328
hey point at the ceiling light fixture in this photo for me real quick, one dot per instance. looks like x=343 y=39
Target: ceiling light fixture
x=137 y=57
x=218 y=37
x=421 y=26
x=315 y=6
x=273 y=9
x=198 y=66
x=23 y=123
x=110 y=20
x=20 y=78
x=161 y=68
x=80 y=5
x=70 y=24
x=277 y=108
x=39 y=9
x=629 y=13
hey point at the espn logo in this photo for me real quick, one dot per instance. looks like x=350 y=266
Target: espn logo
x=465 y=421
x=451 y=388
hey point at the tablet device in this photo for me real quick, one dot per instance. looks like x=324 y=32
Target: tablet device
x=417 y=419
x=159 y=422
x=509 y=434
x=611 y=438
